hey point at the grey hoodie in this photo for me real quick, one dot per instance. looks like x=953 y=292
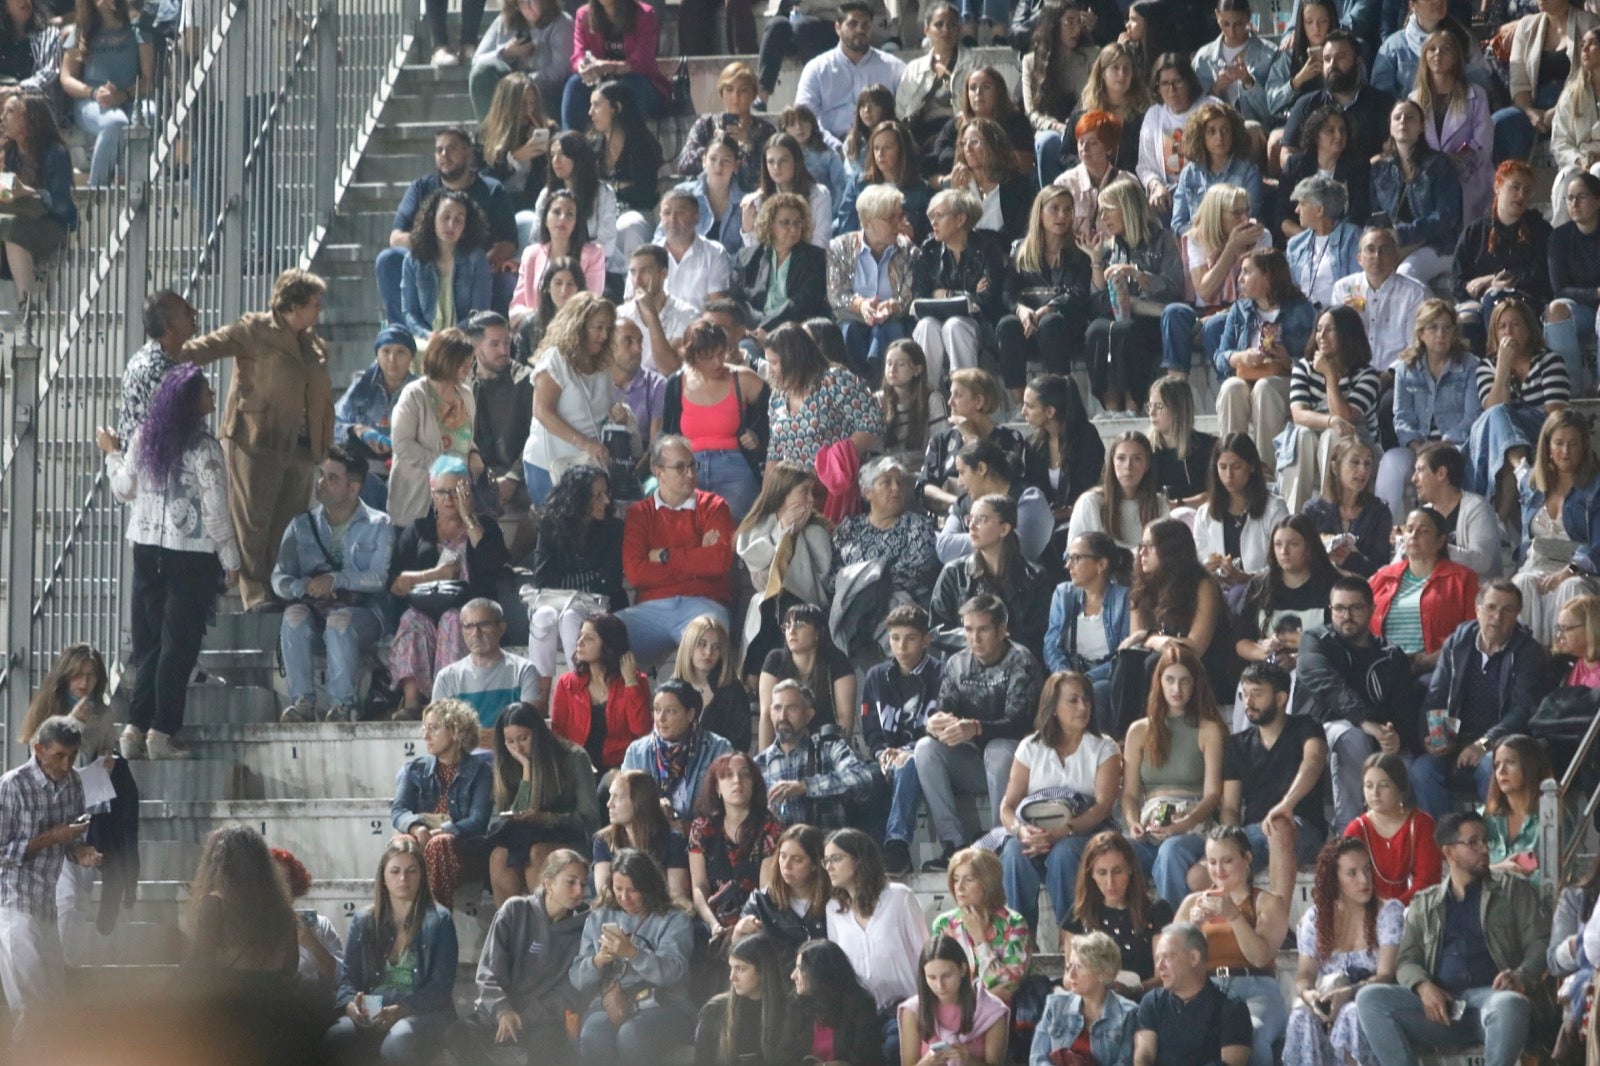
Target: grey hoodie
x=525 y=961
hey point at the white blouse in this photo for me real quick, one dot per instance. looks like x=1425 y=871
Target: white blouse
x=885 y=952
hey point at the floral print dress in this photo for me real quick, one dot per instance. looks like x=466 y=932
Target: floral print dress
x=840 y=406
x=1306 y=1042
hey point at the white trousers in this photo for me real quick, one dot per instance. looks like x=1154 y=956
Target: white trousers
x=33 y=972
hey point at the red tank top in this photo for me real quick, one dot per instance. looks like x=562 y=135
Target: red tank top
x=712 y=428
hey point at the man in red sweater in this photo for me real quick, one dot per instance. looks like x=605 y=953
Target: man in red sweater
x=677 y=550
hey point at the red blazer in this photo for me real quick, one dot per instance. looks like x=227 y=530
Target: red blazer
x=627 y=713
x=1447 y=599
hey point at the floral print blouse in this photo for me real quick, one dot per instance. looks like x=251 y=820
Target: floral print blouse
x=910 y=546
x=1001 y=962
x=733 y=872
x=838 y=407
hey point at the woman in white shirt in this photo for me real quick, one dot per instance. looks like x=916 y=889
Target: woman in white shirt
x=1233 y=528
x=1128 y=497
x=1065 y=751
x=1161 y=157
x=572 y=393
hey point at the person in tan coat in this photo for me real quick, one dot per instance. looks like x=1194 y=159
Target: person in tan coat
x=278 y=423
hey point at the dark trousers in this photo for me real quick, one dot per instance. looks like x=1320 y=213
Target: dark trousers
x=697 y=24
x=1058 y=337
x=173 y=592
x=1123 y=355
x=471 y=20
x=806 y=37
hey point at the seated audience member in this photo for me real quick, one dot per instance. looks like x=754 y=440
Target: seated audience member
x=1118 y=87
x=1235 y=67
x=993 y=937
x=1435 y=398
x=720 y=406
x=871 y=273
x=878 y=923
x=1172 y=776
x=403 y=954
x=988 y=696
x=1347 y=939
x=108 y=70
x=891 y=160
x=733 y=840
x=661 y=316
x=897 y=698
x=514 y=132
x=1089 y=1012
x=1174 y=600
x=736 y=88
x=784 y=171
x=332 y=582
x=1353 y=681
x=1572 y=937
x=638 y=816
x=559 y=234
x=628 y=159
x=1089 y=620
x=1560 y=520
x=524 y=990
x=787 y=548
x=602 y=703
x=1418 y=189
x=1056 y=68
x=697 y=270
x=833 y=1014
x=749 y=1021
x=1221 y=234
x=1326 y=235
x=992 y=170
x=963 y=263
x=678 y=753
x=1287 y=598
x=1333 y=395
x=1242 y=955
x=574 y=558
x=1399 y=836
x=1511 y=812
x=831 y=81
x=1274 y=774
x=1064 y=455
x=1505 y=252
x=443 y=800
x=1345 y=87
x=1572 y=122
x=39 y=213
x=1113 y=897
x=720 y=185
x=1047 y=292
x=1578 y=640
x=445 y=275
x=1400 y=55
x=1574 y=267
x=1489 y=680
x=1099 y=135
x=928 y=94
x=617 y=44
x=1190 y=1018
x=1419 y=599
x=976 y=401
x=1490 y=964
x=677 y=551
x=874 y=105
x=1064 y=758
x=780 y=277
x=901 y=537
x=1471 y=529
x=1386 y=299
x=1218 y=152
x=982 y=470
x=983 y=95
x=453 y=169
x=1519 y=386
x=1328 y=160
x=1181 y=454
x=1460 y=126
x=1162 y=136
x=707 y=664
x=563 y=279
x=489 y=677
x=544 y=789
x=811 y=778
x=809 y=655
x=636 y=947
x=575 y=168
x=432 y=420
x=321 y=949
x=1265 y=327
x=817 y=410
x=1136 y=272
x=1128 y=498
x=439 y=553
x=75 y=687
x=503 y=400
x=1233 y=528
x=959 y=1014
x=791 y=907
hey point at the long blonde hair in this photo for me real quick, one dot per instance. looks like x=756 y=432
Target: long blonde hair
x=683 y=666
x=1427 y=313
x=1127 y=197
x=503 y=128
x=1210 y=229
x=567 y=329
x=1031 y=254
x=1094 y=89
x=1173 y=390
x=1457 y=100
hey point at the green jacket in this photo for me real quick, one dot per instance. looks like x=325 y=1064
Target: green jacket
x=1516 y=927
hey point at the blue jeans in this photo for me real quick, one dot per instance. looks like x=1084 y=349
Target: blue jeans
x=1177 y=336
x=108 y=127
x=1047 y=156
x=1566 y=340
x=387 y=269
x=1167 y=864
x=407 y=1041
x=539 y=482
x=1020 y=875
x=727 y=474
x=347 y=633
x=1513 y=133
x=997 y=12
x=866 y=346
x=1308 y=840
x=655 y=626
x=1395 y=1026
x=647 y=1036
x=1431 y=776
x=905 y=791
x=1494 y=435
x=575 y=100
x=1269 y=1015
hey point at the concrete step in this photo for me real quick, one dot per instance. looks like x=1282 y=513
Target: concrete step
x=304 y=761
x=443 y=105
x=338 y=838
x=239 y=631
x=230 y=703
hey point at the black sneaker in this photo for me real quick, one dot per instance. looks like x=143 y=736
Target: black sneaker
x=896 y=858
x=942 y=863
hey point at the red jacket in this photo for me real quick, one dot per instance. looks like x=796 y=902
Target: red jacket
x=627 y=713
x=1447 y=599
x=692 y=568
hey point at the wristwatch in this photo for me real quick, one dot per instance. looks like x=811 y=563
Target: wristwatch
x=666 y=553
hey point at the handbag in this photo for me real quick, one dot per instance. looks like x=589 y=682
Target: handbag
x=619 y=1005
x=562 y=600
x=434 y=598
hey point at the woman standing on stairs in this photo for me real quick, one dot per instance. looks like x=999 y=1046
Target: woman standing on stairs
x=183 y=542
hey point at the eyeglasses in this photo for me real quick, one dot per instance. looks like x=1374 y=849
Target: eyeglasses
x=1470 y=842
x=441 y=493
x=1567 y=629
x=1349 y=608
x=1170 y=83
x=1155 y=407
x=834 y=860
x=681 y=468
x=1146 y=546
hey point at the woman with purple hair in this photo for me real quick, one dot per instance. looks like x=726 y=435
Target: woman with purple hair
x=173 y=474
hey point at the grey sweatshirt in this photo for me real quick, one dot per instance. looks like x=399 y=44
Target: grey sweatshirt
x=525 y=961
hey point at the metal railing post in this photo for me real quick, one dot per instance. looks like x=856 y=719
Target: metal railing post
x=21 y=508
x=235 y=255
x=1550 y=837
x=328 y=156
x=135 y=273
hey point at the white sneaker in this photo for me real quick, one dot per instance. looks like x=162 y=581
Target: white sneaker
x=132 y=744
x=444 y=57
x=303 y=709
x=162 y=746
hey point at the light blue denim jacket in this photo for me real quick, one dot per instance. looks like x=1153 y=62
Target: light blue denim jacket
x=368 y=543
x=1193 y=181
x=1450 y=403
x=1067 y=604
x=365 y=403
x=1580 y=518
x=419 y=290
x=1435 y=201
x=1110 y=1038
x=1296 y=316
x=471 y=798
x=1338 y=262
x=724 y=230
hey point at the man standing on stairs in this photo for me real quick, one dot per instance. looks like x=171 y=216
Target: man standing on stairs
x=42 y=823
x=169 y=322
x=333 y=565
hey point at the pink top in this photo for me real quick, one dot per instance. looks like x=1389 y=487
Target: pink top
x=988 y=1011
x=536 y=257
x=638 y=49
x=1585 y=674
x=713 y=427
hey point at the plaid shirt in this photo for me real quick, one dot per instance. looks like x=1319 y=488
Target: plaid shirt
x=30 y=803
x=830 y=769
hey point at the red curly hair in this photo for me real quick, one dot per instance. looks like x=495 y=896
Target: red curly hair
x=1325 y=893
x=299 y=877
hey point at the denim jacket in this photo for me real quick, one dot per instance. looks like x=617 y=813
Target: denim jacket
x=1110 y=1038
x=1195 y=178
x=1258 y=57
x=1449 y=404
x=365 y=403
x=724 y=230
x=1338 y=261
x=368 y=543
x=1296 y=316
x=1066 y=606
x=437 y=955
x=1580 y=517
x=419 y=290
x=416 y=792
x=1434 y=195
